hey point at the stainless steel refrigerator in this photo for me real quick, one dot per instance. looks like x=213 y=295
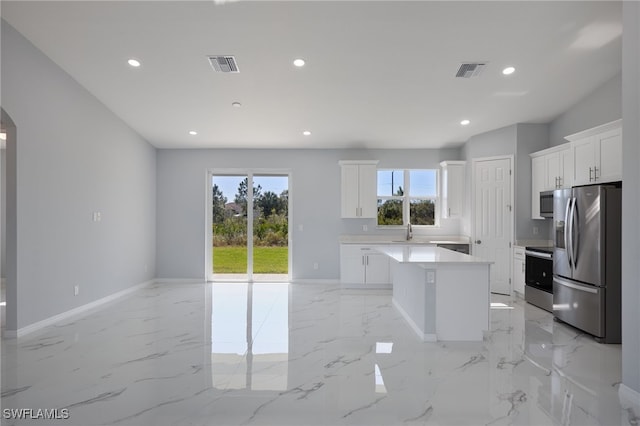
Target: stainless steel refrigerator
x=586 y=259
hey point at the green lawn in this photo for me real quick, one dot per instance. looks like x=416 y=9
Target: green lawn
x=266 y=260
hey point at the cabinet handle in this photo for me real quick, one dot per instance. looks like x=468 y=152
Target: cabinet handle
x=449 y=212
x=590 y=172
x=363 y=260
x=367 y=260
x=595 y=173
x=523 y=267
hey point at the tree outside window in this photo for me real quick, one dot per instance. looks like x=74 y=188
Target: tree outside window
x=407 y=195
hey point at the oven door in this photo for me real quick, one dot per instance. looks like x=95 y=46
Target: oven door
x=539 y=270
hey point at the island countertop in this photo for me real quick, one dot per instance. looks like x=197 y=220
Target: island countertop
x=401 y=239
x=428 y=255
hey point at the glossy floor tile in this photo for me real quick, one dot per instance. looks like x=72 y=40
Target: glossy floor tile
x=299 y=354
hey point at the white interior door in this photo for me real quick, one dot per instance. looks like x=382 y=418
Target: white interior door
x=493 y=219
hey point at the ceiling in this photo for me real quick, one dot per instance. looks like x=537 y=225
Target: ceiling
x=378 y=74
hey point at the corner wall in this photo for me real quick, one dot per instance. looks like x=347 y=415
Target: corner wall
x=631 y=197
x=74 y=157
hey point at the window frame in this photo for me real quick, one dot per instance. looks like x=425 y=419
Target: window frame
x=406 y=198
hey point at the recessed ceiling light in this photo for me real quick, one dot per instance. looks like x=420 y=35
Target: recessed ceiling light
x=193 y=132
x=306 y=133
x=465 y=122
x=508 y=70
x=298 y=62
x=134 y=63
x=236 y=104
x=3 y=136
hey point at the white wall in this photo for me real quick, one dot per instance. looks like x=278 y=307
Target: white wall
x=602 y=106
x=74 y=157
x=631 y=196
x=315 y=194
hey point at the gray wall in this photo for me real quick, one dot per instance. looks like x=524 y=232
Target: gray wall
x=315 y=195
x=74 y=157
x=601 y=106
x=530 y=138
x=631 y=196
x=3 y=214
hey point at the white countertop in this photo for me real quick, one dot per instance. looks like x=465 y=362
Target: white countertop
x=428 y=255
x=400 y=240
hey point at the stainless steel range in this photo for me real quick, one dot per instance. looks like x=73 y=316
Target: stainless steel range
x=539 y=277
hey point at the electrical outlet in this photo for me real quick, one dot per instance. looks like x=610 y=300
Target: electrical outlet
x=535 y=230
x=76 y=290
x=365 y=228
x=315 y=265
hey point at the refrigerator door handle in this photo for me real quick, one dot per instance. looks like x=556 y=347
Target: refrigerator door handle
x=575 y=243
x=567 y=231
x=566 y=283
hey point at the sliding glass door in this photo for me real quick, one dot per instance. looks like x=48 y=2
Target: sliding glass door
x=258 y=202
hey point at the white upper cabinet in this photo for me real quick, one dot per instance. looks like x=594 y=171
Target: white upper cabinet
x=452 y=188
x=359 y=192
x=597 y=154
x=550 y=169
x=538 y=182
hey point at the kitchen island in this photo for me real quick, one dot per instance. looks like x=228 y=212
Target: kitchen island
x=442 y=294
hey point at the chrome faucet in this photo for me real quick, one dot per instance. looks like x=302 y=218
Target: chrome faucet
x=409 y=231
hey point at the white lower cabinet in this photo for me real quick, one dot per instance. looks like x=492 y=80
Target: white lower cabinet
x=518 y=270
x=362 y=267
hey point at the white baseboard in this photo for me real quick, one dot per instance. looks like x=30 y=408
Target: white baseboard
x=21 y=332
x=180 y=280
x=426 y=337
x=316 y=281
x=628 y=397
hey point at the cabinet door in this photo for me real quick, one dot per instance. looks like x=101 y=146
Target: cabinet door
x=538 y=180
x=566 y=168
x=368 y=191
x=518 y=270
x=376 y=269
x=609 y=151
x=584 y=161
x=351 y=264
x=552 y=171
x=453 y=190
x=350 y=191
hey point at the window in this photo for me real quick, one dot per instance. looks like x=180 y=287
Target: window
x=407 y=196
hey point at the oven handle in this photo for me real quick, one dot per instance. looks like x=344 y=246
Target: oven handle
x=538 y=254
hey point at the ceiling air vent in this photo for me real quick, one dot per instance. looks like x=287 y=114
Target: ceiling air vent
x=470 y=69
x=222 y=63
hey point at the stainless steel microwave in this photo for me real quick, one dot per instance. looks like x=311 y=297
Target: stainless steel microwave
x=546 y=204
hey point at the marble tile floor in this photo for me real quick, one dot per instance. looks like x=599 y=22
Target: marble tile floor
x=300 y=354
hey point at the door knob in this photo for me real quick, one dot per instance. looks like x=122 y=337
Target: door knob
x=478 y=242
